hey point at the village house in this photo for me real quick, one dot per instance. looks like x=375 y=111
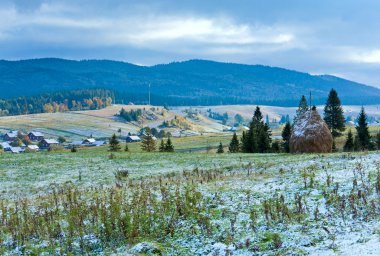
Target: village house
x=10 y=136
x=33 y=147
x=46 y=143
x=16 y=150
x=132 y=139
x=36 y=136
x=5 y=146
x=88 y=141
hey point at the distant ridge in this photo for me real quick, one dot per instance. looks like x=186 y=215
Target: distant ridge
x=193 y=82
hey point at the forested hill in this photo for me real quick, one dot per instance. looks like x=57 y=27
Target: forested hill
x=195 y=82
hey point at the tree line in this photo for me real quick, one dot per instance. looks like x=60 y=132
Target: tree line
x=258 y=140
x=84 y=99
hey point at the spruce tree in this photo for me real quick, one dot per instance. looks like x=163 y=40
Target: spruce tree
x=234 y=144
x=114 y=144
x=148 y=144
x=162 y=146
x=275 y=147
x=257 y=139
x=303 y=107
x=169 y=145
x=333 y=114
x=264 y=138
x=220 y=148
x=244 y=145
x=364 y=139
x=251 y=145
x=378 y=140
x=286 y=133
x=349 y=145
x=126 y=149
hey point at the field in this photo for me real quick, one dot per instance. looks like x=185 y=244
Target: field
x=192 y=202
x=103 y=123
x=189 y=204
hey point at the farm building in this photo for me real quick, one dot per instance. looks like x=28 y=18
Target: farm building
x=16 y=150
x=36 y=136
x=88 y=141
x=33 y=147
x=10 y=136
x=5 y=146
x=133 y=139
x=46 y=143
x=91 y=142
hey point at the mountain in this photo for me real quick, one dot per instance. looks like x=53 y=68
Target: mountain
x=194 y=82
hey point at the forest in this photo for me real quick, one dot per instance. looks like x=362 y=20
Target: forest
x=84 y=99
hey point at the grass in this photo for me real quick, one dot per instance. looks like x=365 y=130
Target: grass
x=198 y=203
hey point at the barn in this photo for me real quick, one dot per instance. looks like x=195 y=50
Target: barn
x=46 y=143
x=36 y=136
x=132 y=139
x=10 y=136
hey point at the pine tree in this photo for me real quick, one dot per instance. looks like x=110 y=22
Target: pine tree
x=275 y=147
x=251 y=145
x=114 y=144
x=257 y=139
x=286 y=133
x=244 y=146
x=148 y=144
x=333 y=114
x=126 y=149
x=220 y=148
x=302 y=108
x=169 y=145
x=349 y=145
x=362 y=131
x=234 y=144
x=162 y=146
x=264 y=139
x=378 y=140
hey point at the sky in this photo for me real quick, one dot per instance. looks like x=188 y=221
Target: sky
x=337 y=37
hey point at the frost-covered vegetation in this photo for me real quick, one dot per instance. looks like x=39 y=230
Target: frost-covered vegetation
x=191 y=204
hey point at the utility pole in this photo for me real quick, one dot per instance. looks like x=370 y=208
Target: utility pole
x=149 y=94
x=310 y=101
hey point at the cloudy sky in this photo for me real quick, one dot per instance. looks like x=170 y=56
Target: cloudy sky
x=339 y=37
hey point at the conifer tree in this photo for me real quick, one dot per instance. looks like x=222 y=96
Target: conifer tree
x=244 y=142
x=378 y=140
x=220 y=148
x=251 y=145
x=349 y=145
x=162 y=146
x=302 y=108
x=234 y=144
x=257 y=139
x=264 y=138
x=169 y=145
x=364 y=139
x=286 y=133
x=148 y=144
x=333 y=114
x=114 y=144
x=126 y=149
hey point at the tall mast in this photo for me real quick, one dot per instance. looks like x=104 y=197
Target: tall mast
x=310 y=101
x=149 y=94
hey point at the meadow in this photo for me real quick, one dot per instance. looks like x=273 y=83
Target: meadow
x=138 y=203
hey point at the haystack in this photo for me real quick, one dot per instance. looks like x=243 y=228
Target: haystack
x=311 y=134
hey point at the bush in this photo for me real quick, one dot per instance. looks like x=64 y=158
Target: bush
x=55 y=148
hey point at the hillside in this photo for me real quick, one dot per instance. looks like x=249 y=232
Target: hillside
x=195 y=82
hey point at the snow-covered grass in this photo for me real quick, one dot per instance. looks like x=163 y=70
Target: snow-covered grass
x=193 y=204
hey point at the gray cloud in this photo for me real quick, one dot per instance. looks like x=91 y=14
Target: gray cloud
x=336 y=37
